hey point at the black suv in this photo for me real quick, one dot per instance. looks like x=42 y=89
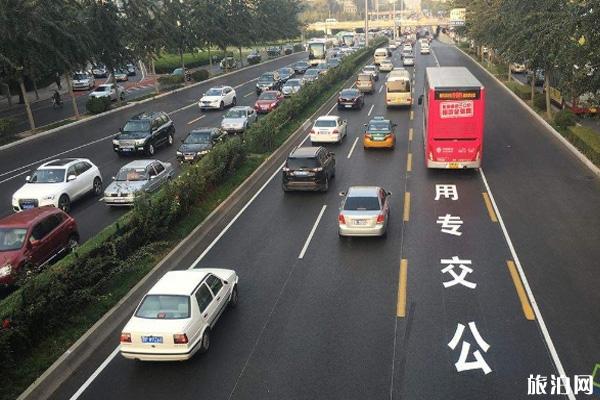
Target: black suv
x=268 y=81
x=145 y=132
x=308 y=168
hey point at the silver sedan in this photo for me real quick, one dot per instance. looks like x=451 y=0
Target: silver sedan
x=364 y=211
x=135 y=178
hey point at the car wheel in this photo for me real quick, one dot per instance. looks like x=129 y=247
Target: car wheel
x=150 y=150
x=235 y=298
x=73 y=242
x=234 y=102
x=97 y=186
x=170 y=139
x=205 y=341
x=221 y=106
x=64 y=203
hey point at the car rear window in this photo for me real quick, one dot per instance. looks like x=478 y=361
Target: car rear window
x=362 y=204
x=325 y=123
x=164 y=307
x=302 y=163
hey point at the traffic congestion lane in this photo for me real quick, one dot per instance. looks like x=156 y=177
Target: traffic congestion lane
x=261 y=263
x=549 y=203
x=93 y=216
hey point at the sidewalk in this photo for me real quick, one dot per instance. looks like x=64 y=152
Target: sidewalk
x=45 y=93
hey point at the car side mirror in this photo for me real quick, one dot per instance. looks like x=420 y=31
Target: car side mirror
x=364 y=125
x=420 y=101
x=342 y=194
x=389 y=193
x=71 y=178
x=114 y=178
x=27 y=178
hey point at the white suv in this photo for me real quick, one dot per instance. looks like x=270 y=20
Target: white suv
x=174 y=320
x=58 y=183
x=218 y=97
x=328 y=129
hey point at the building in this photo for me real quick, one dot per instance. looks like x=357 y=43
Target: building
x=349 y=7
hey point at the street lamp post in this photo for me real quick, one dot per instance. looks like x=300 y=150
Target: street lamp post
x=366 y=23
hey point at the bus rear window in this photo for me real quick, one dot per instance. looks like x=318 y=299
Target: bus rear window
x=398 y=86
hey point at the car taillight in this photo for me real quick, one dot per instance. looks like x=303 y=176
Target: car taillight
x=380 y=218
x=125 y=337
x=389 y=135
x=180 y=338
x=335 y=131
x=368 y=136
x=341 y=219
x=286 y=169
x=319 y=169
x=312 y=131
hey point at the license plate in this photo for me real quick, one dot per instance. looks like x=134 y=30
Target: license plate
x=152 y=339
x=348 y=105
x=360 y=222
x=453 y=165
x=189 y=157
x=301 y=173
x=324 y=132
x=27 y=206
x=126 y=148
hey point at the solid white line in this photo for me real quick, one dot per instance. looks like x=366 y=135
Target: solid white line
x=14 y=176
x=59 y=154
x=312 y=232
x=538 y=315
x=371 y=109
x=196 y=119
x=97 y=372
x=246 y=95
x=437 y=63
x=183 y=108
x=352 y=149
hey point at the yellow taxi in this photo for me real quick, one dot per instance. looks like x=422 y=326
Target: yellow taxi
x=379 y=133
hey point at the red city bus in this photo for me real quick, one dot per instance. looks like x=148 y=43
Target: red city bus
x=453 y=112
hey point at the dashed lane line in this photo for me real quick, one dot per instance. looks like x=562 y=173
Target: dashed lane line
x=312 y=232
x=352 y=148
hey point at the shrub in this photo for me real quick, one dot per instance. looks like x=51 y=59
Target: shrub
x=97 y=105
x=524 y=92
x=564 y=118
x=539 y=101
x=6 y=124
x=200 y=75
x=170 y=80
x=586 y=140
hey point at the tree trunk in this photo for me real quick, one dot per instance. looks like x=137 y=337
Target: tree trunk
x=532 y=87
x=182 y=64
x=548 y=104
x=241 y=59
x=73 y=99
x=156 y=88
x=27 y=105
x=210 y=65
x=509 y=75
x=8 y=95
x=37 y=95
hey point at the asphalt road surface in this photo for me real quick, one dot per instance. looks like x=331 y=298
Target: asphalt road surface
x=92 y=140
x=332 y=324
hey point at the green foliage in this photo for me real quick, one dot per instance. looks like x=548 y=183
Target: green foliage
x=97 y=105
x=523 y=91
x=169 y=82
x=564 y=119
x=6 y=125
x=539 y=101
x=200 y=75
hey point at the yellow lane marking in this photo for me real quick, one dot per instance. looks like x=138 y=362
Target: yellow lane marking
x=410 y=133
x=488 y=205
x=412 y=114
x=401 y=309
x=527 y=310
x=409 y=163
x=406 y=206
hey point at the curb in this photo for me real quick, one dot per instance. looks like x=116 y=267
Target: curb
x=69 y=362
x=135 y=103
x=541 y=120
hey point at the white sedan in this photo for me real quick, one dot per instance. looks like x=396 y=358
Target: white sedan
x=58 y=183
x=175 y=318
x=328 y=129
x=218 y=98
x=110 y=91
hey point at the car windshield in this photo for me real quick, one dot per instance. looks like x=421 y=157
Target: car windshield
x=301 y=64
x=164 y=307
x=12 y=238
x=284 y=71
x=266 y=78
x=361 y=204
x=136 y=126
x=349 y=93
x=302 y=163
x=214 y=92
x=102 y=89
x=202 y=137
x=364 y=77
x=79 y=77
x=369 y=68
x=48 y=176
x=398 y=86
x=379 y=126
x=325 y=123
x=312 y=72
x=293 y=83
x=235 y=114
x=131 y=174
x=267 y=96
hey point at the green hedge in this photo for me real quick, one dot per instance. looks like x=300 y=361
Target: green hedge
x=586 y=140
x=564 y=119
x=523 y=91
x=200 y=75
x=6 y=124
x=51 y=301
x=97 y=105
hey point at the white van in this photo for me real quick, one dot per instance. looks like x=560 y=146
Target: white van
x=381 y=54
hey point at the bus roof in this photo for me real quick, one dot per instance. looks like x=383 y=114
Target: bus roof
x=451 y=78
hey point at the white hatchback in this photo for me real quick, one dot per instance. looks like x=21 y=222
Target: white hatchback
x=328 y=129
x=174 y=319
x=218 y=98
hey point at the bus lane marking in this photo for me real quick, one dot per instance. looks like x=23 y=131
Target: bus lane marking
x=488 y=205
x=406 y=215
x=401 y=306
x=527 y=310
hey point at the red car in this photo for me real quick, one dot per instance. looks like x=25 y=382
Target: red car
x=33 y=238
x=268 y=101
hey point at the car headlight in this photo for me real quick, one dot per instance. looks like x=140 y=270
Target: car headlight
x=6 y=270
x=132 y=194
x=179 y=153
x=115 y=142
x=203 y=152
x=139 y=142
x=49 y=197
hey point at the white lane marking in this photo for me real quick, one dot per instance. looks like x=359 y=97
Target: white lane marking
x=312 y=232
x=538 y=315
x=352 y=149
x=59 y=154
x=437 y=63
x=380 y=88
x=183 y=108
x=371 y=109
x=15 y=176
x=196 y=119
x=97 y=372
x=242 y=84
x=251 y=93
